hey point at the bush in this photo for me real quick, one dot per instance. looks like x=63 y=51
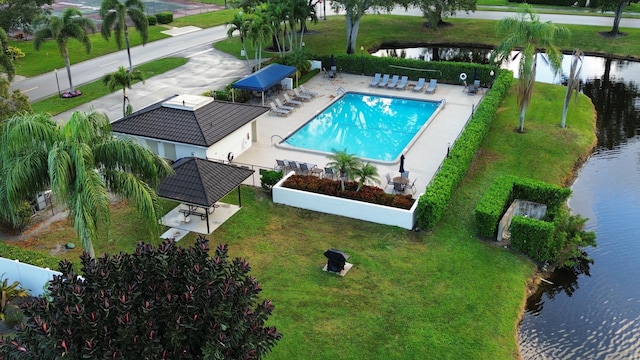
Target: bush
x=152 y=20
x=28 y=256
x=534 y=238
x=433 y=202
x=270 y=178
x=164 y=17
x=15 y=53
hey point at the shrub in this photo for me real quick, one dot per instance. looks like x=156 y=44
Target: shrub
x=164 y=17
x=270 y=178
x=157 y=303
x=534 y=238
x=9 y=292
x=15 y=53
x=152 y=20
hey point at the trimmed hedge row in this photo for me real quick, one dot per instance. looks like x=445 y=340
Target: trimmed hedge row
x=165 y=17
x=28 y=256
x=505 y=190
x=431 y=205
x=535 y=238
x=444 y=71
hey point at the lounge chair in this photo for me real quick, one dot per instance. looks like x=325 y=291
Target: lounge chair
x=300 y=95
x=393 y=82
x=384 y=81
x=433 y=85
x=289 y=101
x=293 y=166
x=411 y=186
x=280 y=166
x=276 y=111
x=279 y=105
x=376 y=80
x=307 y=92
x=403 y=83
x=304 y=169
x=420 y=85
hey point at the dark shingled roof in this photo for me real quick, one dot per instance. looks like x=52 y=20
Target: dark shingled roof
x=201 y=127
x=201 y=182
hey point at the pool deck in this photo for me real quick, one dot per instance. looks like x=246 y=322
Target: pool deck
x=423 y=157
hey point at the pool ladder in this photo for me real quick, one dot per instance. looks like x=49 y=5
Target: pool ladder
x=272 y=136
x=341 y=90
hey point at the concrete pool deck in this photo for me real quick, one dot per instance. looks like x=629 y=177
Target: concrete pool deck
x=422 y=159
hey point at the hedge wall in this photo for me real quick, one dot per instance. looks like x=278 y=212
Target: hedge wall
x=534 y=238
x=28 y=256
x=431 y=205
x=444 y=71
x=504 y=190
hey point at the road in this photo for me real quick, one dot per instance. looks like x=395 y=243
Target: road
x=44 y=85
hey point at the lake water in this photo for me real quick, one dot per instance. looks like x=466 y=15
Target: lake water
x=592 y=311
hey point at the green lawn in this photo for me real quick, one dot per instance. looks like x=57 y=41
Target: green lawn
x=411 y=295
x=55 y=105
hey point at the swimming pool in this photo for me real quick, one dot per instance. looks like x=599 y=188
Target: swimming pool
x=373 y=127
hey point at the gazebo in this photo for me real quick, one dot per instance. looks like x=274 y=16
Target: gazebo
x=265 y=79
x=198 y=184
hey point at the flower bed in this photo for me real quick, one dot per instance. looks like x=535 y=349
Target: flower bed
x=70 y=94
x=324 y=195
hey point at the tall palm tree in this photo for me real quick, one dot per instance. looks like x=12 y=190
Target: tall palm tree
x=366 y=173
x=573 y=83
x=241 y=25
x=71 y=25
x=123 y=78
x=5 y=60
x=527 y=33
x=114 y=16
x=345 y=163
x=81 y=161
x=260 y=31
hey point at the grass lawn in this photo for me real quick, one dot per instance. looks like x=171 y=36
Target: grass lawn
x=411 y=295
x=55 y=105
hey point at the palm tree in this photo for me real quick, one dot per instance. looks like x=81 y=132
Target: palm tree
x=123 y=78
x=81 y=161
x=345 y=163
x=71 y=25
x=241 y=25
x=525 y=31
x=260 y=31
x=5 y=60
x=114 y=16
x=573 y=83
x=366 y=173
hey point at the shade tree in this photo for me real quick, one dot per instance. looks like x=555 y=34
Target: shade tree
x=435 y=10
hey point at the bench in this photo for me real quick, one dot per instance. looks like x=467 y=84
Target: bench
x=188 y=212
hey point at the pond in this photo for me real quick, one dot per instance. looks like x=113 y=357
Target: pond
x=593 y=310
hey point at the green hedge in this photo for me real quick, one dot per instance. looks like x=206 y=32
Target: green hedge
x=152 y=20
x=445 y=71
x=165 y=17
x=28 y=256
x=534 y=238
x=504 y=190
x=431 y=205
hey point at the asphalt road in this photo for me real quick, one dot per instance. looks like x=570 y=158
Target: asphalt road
x=45 y=85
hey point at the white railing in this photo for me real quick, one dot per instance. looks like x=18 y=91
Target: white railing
x=30 y=277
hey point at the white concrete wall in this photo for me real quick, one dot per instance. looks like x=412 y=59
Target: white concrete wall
x=237 y=143
x=344 y=207
x=30 y=277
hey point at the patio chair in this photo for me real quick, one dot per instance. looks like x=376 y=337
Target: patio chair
x=300 y=95
x=404 y=174
x=375 y=81
x=329 y=173
x=280 y=166
x=293 y=166
x=307 y=92
x=473 y=88
x=304 y=169
x=279 y=105
x=433 y=85
x=389 y=181
x=289 y=101
x=393 y=82
x=411 y=186
x=420 y=85
x=403 y=83
x=276 y=111
x=384 y=81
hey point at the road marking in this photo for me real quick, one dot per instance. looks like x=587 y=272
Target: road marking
x=198 y=53
x=113 y=62
x=33 y=88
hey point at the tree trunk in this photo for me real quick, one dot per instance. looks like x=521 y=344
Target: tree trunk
x=616 y=20
x=68 y=65
x=353 y=24
x=565 y=109
x=126 y=40
x=523 y=111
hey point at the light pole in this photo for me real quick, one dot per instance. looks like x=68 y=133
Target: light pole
x=57 y=82
x=362 y=60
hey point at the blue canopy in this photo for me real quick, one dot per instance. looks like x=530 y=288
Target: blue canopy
x=265 y=78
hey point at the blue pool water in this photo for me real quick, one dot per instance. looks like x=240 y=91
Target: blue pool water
x=372 y=127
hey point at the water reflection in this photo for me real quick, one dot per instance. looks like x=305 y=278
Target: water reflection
x=593 y=310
